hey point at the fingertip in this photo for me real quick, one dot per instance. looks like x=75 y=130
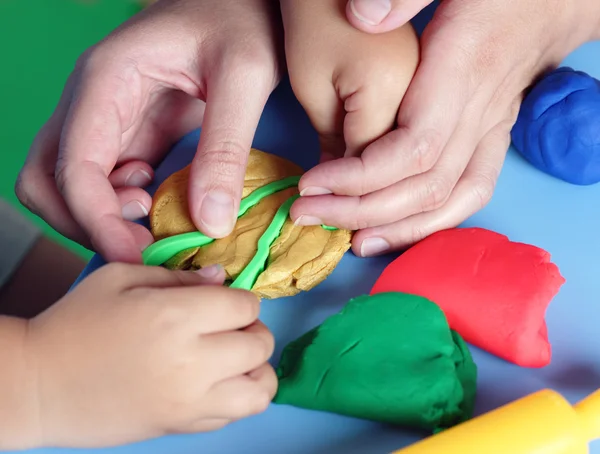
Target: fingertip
x=213 y=274
x=122 y=241
x=266 y=376
x=378 y=16
x=307 y=211
x=216 y=214
x=135 y=203
x=134 y=173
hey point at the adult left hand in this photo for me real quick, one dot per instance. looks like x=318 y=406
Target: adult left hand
x=441 y=163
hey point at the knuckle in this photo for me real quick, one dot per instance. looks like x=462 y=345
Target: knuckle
x=61 y=173
x=417 y=233
x=224 y=159
x=483 y=187
x=247 y=306
x=23 y=189
x=266 y=345
x=92 y=58
x=436 y=191
x=427 y=150
x=253 y=62
x=250 y=403
x=360 y=216
x=261 y=402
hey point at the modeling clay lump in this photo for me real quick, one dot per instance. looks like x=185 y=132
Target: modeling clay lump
x=558 y=128
x=494 y=292
x=266 y=253
x=390 y=357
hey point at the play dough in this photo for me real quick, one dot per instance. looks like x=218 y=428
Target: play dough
x=494 y=292
x=389 y=357
x=558 y=128
x=266 y=253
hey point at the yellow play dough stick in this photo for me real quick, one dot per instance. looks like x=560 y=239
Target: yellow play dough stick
x=541 y=423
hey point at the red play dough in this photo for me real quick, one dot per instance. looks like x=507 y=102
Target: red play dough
x=494 y=292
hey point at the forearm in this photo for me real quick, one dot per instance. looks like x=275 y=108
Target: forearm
x=19 y=422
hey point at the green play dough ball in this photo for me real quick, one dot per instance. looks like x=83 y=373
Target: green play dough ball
x=389 y=357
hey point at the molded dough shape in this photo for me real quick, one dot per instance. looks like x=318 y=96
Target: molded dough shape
x=299 y=259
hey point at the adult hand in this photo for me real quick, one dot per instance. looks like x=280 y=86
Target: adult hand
x=139 y=352
x=131 y=97
x=441 y=163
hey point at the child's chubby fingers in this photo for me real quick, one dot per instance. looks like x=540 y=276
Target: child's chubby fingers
x=124 y=277
x=238 y=352
x=182 y=299
x=204 y=309
x=244 y=395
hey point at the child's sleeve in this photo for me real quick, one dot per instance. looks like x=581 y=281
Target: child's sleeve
x=17 y=237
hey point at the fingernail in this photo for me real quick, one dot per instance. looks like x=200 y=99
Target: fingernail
x=133 y=211
x=139 y=178
x=216 y=213
x=308 y=220
x=371 y=12
x=313 y=190
x=374 y=246
x=210 y=271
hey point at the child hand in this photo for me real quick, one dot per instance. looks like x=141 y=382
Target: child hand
x=137 y=352
x=350 y=83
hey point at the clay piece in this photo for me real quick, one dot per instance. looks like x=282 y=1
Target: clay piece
x=493 y=291
x=558 y=127
x=390 y=357
x=266 y=253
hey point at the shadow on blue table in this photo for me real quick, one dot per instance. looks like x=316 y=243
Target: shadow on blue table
x=528 y=206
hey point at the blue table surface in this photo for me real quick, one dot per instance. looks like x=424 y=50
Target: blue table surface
x=528 y=206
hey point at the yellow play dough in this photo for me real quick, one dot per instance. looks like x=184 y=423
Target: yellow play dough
x=299 y=259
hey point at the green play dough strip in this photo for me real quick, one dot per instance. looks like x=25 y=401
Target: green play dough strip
x=389 y=357
x=160 y=252
x=248 y=276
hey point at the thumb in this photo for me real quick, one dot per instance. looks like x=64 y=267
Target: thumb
x=234 y=104
x=379 y=16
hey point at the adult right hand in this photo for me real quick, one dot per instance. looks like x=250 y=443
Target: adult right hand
x=139 y=352
x=173 y=67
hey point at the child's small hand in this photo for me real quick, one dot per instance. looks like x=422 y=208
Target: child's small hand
x=137 y=352
x=350 y=83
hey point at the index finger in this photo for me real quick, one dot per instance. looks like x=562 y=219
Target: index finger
x=213 y=309
x=206 y=305
x=89 y=150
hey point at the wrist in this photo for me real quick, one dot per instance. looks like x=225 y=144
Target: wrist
x=19 y=404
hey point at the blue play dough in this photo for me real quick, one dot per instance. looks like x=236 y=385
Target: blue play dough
x=558 y=128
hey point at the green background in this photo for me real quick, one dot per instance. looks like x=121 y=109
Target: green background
x=40 y=41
